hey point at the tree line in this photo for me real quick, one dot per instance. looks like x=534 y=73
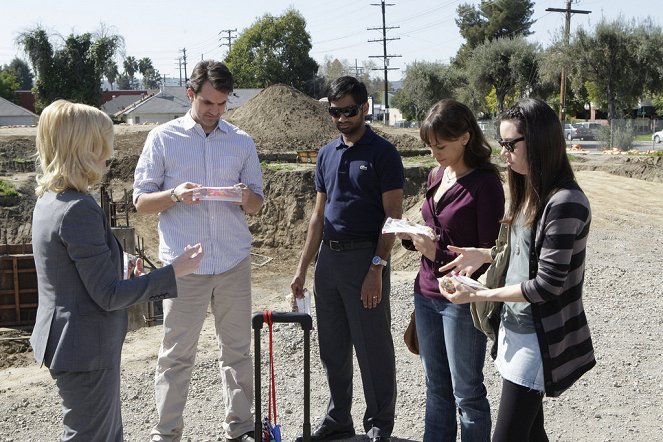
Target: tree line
x=613 y=65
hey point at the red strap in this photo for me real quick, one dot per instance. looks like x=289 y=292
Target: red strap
x=272 y=384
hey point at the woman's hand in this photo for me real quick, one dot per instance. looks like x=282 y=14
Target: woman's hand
x=189 y=261
x=467 y=262
x=138 y=268
x=424 y=245
x=454 y=291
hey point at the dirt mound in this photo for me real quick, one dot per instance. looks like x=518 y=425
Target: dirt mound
x=402 y=141
x=281 y=118
x=647 y=168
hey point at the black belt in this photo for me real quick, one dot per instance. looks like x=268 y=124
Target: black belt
x=349 y=244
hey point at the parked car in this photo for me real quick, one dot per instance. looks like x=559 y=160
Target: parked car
x=576 y=132
x=591 y=128
x=658 y=136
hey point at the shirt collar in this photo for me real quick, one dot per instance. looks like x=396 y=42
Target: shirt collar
x=367 y=138
x=189 y=123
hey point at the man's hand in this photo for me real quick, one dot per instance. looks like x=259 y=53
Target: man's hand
x=371 y=288
x=184 y=192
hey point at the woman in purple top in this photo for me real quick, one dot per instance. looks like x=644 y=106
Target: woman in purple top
x=464 y=205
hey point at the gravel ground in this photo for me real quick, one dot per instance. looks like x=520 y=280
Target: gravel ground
x=620 y=399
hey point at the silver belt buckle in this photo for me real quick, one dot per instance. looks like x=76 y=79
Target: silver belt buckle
x=335 y=246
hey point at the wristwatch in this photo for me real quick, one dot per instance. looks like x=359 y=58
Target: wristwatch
x=377 y=261
x=173 y=196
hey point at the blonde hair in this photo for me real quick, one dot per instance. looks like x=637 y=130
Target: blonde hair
x=72 y=140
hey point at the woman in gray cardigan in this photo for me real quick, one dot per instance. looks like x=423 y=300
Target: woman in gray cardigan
x=544 y=344
x=81 y=319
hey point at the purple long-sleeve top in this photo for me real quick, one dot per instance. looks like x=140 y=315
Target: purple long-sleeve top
x=467 y=215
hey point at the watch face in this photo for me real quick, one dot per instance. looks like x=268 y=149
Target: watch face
x=376 y=261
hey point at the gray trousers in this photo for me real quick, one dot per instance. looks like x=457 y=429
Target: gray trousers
x=90 y=404
x=343 y=322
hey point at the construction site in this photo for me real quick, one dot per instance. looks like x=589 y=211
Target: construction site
x=624 y=288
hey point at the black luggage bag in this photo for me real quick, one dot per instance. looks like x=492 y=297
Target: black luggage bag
x=306 y=322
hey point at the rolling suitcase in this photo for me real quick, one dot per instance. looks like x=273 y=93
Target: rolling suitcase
x=306 y=322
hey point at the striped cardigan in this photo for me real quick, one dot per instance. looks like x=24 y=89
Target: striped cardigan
x=557 y=273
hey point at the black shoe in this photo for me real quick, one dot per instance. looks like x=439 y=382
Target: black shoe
x=249 y=436
x=323 y=433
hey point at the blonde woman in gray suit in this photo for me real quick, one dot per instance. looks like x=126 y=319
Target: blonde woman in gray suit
x=81 y=319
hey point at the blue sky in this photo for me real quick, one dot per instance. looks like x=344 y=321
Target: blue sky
x=160 y=29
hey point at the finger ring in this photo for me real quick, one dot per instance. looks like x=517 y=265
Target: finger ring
x=375 y=297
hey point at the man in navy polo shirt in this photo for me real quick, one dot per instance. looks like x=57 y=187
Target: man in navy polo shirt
x=359 y=182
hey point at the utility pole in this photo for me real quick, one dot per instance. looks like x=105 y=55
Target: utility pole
x=179 y=63
x=356 y=70
x=186 y=77
x=229 y=38
x=567 y=30
x=384 y=56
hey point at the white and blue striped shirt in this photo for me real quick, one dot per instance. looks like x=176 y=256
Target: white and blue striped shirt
x=179 y=151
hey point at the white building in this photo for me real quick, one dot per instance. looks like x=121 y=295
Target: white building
x=14 y=115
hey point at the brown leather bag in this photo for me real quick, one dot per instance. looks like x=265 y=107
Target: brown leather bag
x=410 y=336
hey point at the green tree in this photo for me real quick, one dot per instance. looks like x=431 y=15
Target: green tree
x=424 y=84
x=274 y=50
x=130 y=65
x=507 y=64
x=22 y=72
x=123 y=82
x=490 y=20
x=8 y=85
x=73 y=71
x=657 y=101
x=620 y=62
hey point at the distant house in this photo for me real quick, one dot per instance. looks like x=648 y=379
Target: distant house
x=170 y=103
x=119 y=103
x=14 y=115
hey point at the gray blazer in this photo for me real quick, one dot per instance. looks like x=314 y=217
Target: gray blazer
x=81 y=318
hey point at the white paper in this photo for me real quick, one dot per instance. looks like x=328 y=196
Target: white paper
x=392 y=225
x=304 y=304
x=473 y=283
x=129 y=262
x=231 y=193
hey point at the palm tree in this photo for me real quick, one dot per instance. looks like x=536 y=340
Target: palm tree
x=130 y=67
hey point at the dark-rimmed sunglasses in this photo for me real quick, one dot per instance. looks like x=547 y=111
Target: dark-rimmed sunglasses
x=510 y=145
x=347 y=112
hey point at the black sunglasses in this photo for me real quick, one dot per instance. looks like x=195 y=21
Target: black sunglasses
x=510 y=145
x=347 y=112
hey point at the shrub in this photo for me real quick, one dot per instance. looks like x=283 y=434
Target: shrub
x=619 y=134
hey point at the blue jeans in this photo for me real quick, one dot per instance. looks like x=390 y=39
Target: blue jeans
x=452 y=352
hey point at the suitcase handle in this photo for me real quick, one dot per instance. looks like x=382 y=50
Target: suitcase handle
x=302 y=319
x=306 y=323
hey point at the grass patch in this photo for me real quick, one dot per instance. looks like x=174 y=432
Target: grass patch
x=6 y=189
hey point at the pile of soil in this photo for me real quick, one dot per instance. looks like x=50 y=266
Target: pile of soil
x=281 y=118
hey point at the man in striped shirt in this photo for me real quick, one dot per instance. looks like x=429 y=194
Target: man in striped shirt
x=200 y=149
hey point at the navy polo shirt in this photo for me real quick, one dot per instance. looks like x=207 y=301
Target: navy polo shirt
x=354 y=179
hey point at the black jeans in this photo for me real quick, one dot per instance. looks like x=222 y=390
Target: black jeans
x=520 y=417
